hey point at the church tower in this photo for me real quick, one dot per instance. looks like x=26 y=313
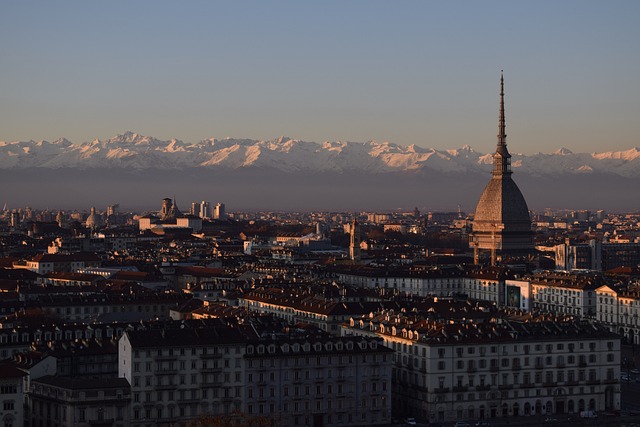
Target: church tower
x=501 y=223
x=354 y=244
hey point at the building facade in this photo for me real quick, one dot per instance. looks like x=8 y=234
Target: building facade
x=180 y=375
x=72 y=402
x=496 y=368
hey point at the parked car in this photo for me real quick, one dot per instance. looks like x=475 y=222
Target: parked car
x=461 y=424
x=410 y=421
x=588 y=414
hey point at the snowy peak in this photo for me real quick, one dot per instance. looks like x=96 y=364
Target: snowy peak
x=628 y=155
x=563 y=152
x=135 y=151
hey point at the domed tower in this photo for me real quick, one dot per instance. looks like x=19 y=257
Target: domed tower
x=501 y=223
x=93 y=220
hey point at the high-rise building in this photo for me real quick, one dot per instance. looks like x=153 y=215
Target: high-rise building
x=203 y=211
x=219 y=211
x=15 y=218
x=501 y=224
x=112 y=209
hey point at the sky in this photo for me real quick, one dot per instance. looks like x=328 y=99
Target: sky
x=407 y=72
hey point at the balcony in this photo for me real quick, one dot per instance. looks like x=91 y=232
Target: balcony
x=165 y=358
x=549 y=384
x=458 y=389
x=611 y=381
x=210 y=356
x=165 y=387
x=211 y=384
x=485 y=387
x=560 y=365
x=593 y=382
x=494 y=369
x=516 y=367
x=539 y=365
x=441 y=390
x=103 y=422
x=471 y=369
x=505 y=387
x=527 y=385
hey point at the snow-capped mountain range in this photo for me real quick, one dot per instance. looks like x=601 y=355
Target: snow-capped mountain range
x=133 y=151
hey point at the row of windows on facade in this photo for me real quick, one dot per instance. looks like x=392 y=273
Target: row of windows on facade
x=526 y=349
x=320 y=405
x=526 y=362
x=58 y=412
x=9 y=389
x=114 y=308
x=262 y=409
x=188 y=395
x=194 y=351
x=58 y=335
x=558 y=291
x=528 y=409
x=213 y=378
x=182 y=365
x=402 y=376
x=321 y=390
x=549 y=378
x=205 y=364
x=182 y=379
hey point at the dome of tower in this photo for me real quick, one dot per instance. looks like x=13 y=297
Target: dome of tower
x=93 y=220
x=502 y=202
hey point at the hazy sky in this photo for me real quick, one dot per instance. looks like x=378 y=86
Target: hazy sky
x=409 y=72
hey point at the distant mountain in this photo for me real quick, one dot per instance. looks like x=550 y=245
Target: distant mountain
x=133 y=151
x=286 y=174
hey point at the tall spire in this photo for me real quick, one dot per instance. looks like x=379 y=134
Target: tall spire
x=502 y=135
x=502 y=158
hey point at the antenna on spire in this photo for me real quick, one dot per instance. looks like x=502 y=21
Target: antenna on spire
x=502 y=135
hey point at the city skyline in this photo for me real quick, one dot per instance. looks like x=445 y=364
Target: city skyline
x=422 y=74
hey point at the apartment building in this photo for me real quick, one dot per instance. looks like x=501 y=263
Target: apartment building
x=13 y=383
x=179 y=374
x=567 y=293
x=485 y=283
x=79 y=402
x=495 y=364
x=619 y=309
x=199 y=369
x=294 y=304
x=322 y=381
